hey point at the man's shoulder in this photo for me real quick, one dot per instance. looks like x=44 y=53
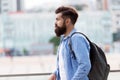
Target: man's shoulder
x=77 y=36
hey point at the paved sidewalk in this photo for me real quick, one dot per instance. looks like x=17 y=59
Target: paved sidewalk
x=33 y=64
x=43 y=64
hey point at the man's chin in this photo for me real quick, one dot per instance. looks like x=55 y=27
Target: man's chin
x=58 y=35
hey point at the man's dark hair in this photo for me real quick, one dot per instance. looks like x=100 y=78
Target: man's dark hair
x=68 y=12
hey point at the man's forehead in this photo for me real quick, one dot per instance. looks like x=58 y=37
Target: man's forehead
x=59 y=15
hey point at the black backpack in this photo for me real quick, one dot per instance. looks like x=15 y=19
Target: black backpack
x=99 y=66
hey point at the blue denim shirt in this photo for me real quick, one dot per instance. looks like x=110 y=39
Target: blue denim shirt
x=75 y=69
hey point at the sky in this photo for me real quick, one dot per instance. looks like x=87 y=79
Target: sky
x=35 y=3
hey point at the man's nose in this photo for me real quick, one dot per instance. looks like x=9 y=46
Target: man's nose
x=55 y=22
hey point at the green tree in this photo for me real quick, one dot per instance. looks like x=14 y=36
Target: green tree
x=55 y=41
x=25 y=51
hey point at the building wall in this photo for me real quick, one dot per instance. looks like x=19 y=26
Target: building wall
x=0 y=6
x=29 y=28
x=114 y=5
x=11 y=5
x=5 y=6
x=114 y=8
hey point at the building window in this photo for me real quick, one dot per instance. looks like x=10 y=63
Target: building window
x=5 y=10
x=118 y=15
x=5 y=4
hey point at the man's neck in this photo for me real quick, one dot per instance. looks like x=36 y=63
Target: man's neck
x=69 y=30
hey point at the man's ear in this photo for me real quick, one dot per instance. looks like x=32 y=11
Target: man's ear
x=68 y=20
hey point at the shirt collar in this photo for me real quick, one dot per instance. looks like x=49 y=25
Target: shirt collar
x=64 y=38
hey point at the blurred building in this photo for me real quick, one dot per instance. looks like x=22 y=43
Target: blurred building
x=11 y=6
x=102 y=4
x=0 y=6
x=114 y=7
x=22 y=30
x=25 y=29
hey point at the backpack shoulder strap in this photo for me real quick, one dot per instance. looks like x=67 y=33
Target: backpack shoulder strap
x=70 y=43
x=82 y=34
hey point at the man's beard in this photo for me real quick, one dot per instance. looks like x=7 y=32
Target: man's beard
x=60 y=30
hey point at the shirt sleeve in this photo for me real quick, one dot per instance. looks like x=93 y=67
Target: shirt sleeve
x=81 y=48
x=56 y=72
